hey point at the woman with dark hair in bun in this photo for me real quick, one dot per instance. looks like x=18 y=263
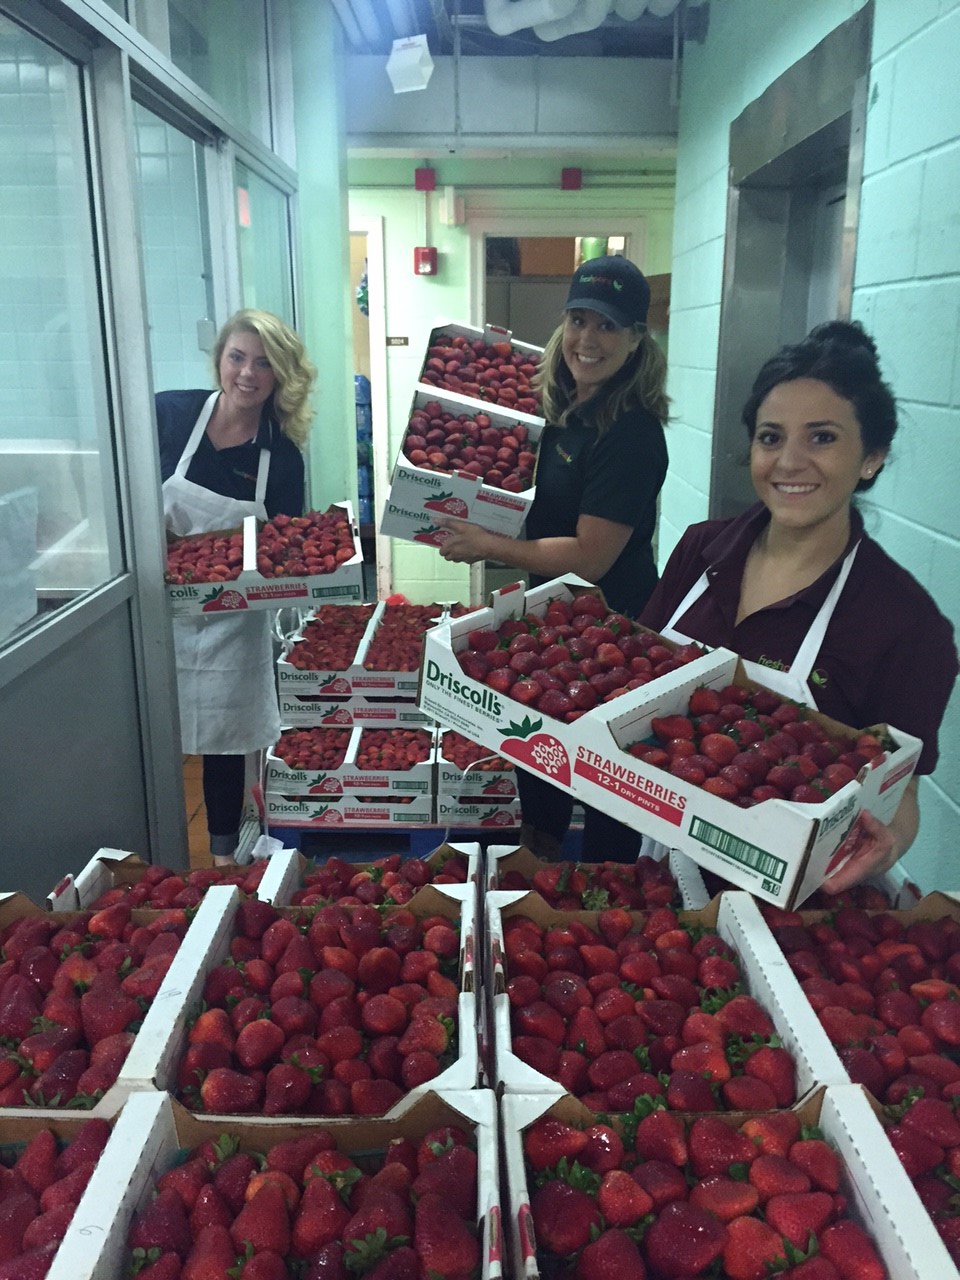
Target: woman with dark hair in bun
x=796 y=585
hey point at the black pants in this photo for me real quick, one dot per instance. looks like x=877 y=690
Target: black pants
x=223 y=786
x=547 y=808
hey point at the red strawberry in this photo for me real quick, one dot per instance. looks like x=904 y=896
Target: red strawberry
x=49 y=1228
x=751 y=1250
x=683 y=1240
x=715 y=1146
x=453 y=1175
x=623 y=1202
x=851 y=1251
x=166 y=1267
x=774 y=1175
x=445 y=1244
x=547 y=1141
x=263 y=1222
x=69 y=1189
x=797 y=1216
x=29 y=1266
x=374 y=1097
x=775 y=1067
x=212 y=1256
x=563 y=1217
x=17 y=1211
x=230 y=1092
x=187 y=1179
x=104 y=1013
x=162 y=1224
x=819 y=1161
x=37 y=1162
x=321 y=1218
x=87 y=1145
x=210 y=1209
x=724 y=1197
x=258 y=1042
x=612 y=1256
x=743 y=1016
x=662 y=1136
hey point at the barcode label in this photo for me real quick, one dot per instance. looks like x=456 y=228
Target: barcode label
x=738 y=850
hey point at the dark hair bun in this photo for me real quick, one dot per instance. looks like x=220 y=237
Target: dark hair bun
x=844 y=333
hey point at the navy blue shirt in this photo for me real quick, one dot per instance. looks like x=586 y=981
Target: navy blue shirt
x=231 y=472
x=888 y=656
x=616 y=476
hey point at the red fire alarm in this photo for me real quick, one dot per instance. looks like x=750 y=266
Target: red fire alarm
x=571 y=179
x=425 y=179
x=425 y=260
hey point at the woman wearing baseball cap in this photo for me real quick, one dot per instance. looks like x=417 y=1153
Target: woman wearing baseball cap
x=601 y=464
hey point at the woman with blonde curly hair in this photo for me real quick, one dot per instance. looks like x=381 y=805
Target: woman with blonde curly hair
x=225 y=455
x=601 y=463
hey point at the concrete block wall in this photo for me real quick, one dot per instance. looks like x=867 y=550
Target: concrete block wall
x=907 y=293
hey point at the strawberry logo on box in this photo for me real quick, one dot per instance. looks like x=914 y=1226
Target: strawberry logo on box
x=499 y=786
x=501 y=818
x=540 y=751
x=340 y=716
x=433 y=535
x=329 y=817
x=328 y=786
x=448 y=505
x=336 y=684
x=220 y=600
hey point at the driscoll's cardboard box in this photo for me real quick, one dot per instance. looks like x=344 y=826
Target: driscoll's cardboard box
x=778 y=850
x=539 y=743
x=251 y=590
x=418 y=494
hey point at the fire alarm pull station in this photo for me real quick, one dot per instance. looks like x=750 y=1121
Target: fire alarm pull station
x=425 y=260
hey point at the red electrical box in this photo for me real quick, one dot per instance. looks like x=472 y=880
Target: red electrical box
x=424 y=179
x=571 y=179
x=425 y=260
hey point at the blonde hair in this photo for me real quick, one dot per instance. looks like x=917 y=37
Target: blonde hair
x=294 y=372
x=641 y=381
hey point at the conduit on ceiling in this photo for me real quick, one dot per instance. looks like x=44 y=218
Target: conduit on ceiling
x=554 y=19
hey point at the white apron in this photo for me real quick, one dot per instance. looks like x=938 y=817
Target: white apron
x=225 y=679
x=794 y=683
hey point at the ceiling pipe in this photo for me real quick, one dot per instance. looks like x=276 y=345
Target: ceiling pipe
x=587 y=16
x=629 y=10
x=504 y=17
x=348 y=22
x=401 y=15
x=366 y=19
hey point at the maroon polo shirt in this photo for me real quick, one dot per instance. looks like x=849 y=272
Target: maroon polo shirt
x=888 y=656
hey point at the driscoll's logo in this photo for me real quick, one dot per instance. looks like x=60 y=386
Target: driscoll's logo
x=478 y=696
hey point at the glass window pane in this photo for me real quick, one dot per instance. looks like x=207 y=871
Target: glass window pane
x=223 y=48
x=58 y=516
x=176 y=251
x=264 y=239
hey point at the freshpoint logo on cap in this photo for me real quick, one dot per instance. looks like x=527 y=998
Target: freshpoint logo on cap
x=614 y=284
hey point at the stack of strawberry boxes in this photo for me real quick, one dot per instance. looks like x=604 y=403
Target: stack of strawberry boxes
x=672 y=1107
x=675 y=1092
x=470 y=446
x=356 y=750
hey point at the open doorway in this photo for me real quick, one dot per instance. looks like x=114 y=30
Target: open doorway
x=796 y=164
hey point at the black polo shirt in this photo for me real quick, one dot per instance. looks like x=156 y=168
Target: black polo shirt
x=231 y=472
x=616 y=476
x=888 y=656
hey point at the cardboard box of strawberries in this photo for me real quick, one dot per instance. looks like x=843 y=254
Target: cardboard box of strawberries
x=470 y=446
x=290 y=560
x=813 y=1193
x=177 y=1195
x=689 y=1010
